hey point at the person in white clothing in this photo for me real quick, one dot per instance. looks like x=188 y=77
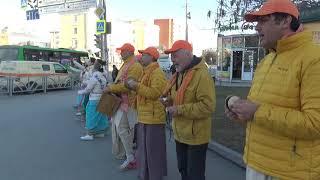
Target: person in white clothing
x=96 y=123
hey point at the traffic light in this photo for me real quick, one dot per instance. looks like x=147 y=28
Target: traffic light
x=98 y=40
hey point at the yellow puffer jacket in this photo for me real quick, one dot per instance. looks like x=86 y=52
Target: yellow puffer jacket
x=150 y=110
x=193 y=126
x=283 y=140
x=134 y=72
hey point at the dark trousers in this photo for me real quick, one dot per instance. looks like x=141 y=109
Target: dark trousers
x=191 y=161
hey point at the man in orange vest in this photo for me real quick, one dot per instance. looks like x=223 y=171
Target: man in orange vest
x=125 y=118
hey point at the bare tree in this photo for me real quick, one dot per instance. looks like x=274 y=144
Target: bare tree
x=210 y=56
x=230 y=12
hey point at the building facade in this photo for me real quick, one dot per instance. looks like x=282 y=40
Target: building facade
x=73 y=33
x=54 y=39
x=238 y=56
x=166 y=32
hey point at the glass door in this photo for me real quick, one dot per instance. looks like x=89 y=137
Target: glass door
x=247 y=65
x=237 y=56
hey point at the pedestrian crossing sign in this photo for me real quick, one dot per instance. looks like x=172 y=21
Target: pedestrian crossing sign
x=101 y=27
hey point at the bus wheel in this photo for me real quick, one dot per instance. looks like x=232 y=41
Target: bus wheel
x=31 y=87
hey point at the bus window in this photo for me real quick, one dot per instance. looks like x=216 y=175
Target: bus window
x=8 y=54
x=43 y=55
x=31 y=55
x=66 y=58
x=54 y=56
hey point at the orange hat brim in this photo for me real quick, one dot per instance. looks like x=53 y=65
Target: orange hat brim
x=252 y=17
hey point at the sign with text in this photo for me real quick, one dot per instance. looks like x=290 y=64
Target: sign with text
x=68 y=6
x=32 y=14
x=51 y=9
x=80 y=5
x=44 y=3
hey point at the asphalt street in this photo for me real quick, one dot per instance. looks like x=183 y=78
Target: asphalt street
x=40 y=140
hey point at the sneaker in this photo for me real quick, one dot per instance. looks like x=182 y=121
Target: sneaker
x=78 y=114
x=99 y=135
x=121 y=158
x=129 y=163
x=87 y=138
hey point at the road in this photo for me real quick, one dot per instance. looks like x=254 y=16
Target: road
x=39 y=140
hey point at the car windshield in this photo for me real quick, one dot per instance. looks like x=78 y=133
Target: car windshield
x=8 y=54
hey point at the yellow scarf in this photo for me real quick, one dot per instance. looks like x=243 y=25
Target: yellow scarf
x=180 y=93
x=145 y=80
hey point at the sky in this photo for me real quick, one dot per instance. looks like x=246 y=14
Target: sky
x=14 y=17
x=164 y=9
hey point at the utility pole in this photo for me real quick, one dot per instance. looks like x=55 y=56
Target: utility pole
x=104 y=47
x=188 y=16
x=186 y=20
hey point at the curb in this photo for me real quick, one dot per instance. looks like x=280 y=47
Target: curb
x=227 y=153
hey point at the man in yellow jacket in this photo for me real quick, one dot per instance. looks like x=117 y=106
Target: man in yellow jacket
x=125 y=118
x=192 y=92
x=283 y=107
x=151 y=153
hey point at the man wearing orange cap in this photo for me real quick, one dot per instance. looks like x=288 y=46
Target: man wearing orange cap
x=282 y=110
x=190 y=99
x=125 y=118
x=151 y=138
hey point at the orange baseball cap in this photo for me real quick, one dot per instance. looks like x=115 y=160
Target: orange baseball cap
x=180 y=44
x=152 y=51
x=126 y=47
x=273 y=6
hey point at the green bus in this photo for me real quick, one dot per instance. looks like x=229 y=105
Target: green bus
x=35 y=53
x=65 y=57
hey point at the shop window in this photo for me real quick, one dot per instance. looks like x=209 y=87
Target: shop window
x=252 y=41
x=255 y=56
x=226 y=60
x=262 y=53
x=226 y=41
x=237 y=42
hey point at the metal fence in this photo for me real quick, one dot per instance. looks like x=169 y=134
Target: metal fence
x=4 y=85
x=30 y=84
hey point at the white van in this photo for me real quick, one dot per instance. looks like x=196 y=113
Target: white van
x=31 y=75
